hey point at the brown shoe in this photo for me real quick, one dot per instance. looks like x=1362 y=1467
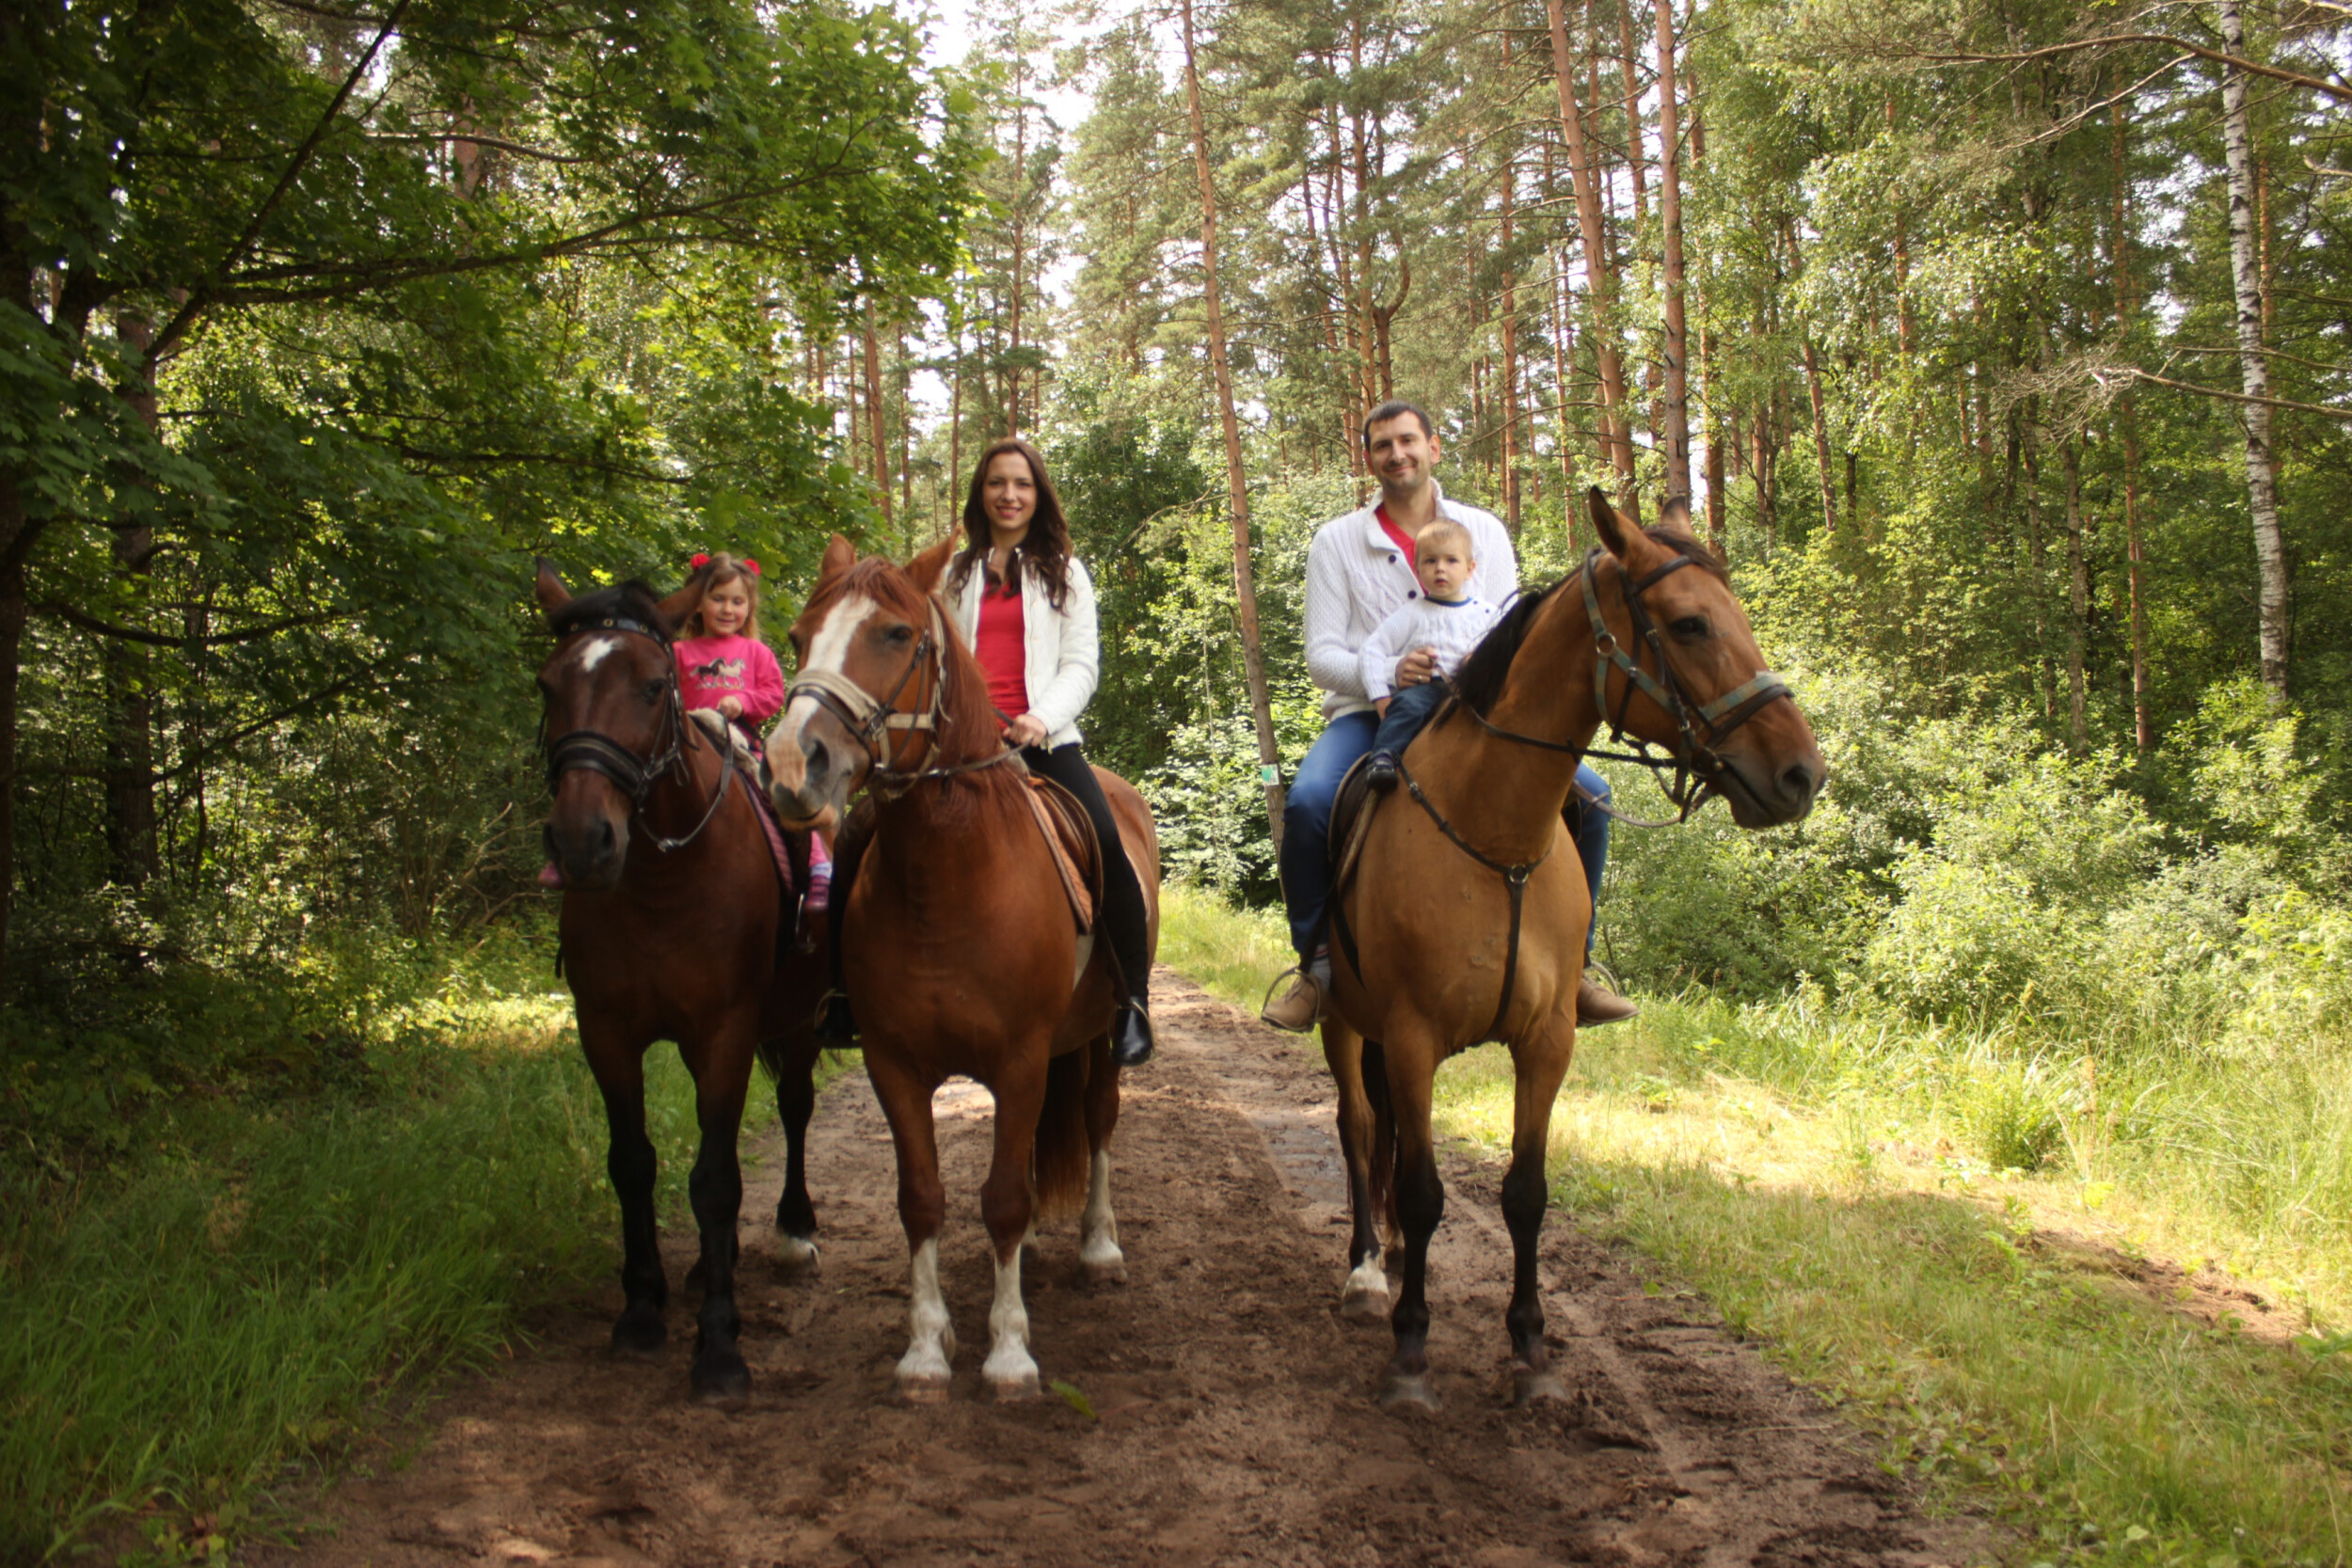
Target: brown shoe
x=1595 y=1006
x=1298 y=1010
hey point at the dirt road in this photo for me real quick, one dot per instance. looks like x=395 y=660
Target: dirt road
x=1232 y=1420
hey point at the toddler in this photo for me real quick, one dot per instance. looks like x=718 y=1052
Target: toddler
x=1446 y=622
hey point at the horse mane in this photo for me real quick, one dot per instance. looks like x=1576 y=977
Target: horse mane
x=1479 y=683
x=968 y=730
x=630 y=601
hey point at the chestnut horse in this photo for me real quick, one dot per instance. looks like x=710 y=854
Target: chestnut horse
x=958 y=950
x=1465 y=915
x=674 y=926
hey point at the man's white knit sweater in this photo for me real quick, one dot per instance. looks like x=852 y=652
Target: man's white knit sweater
x=1356 y=576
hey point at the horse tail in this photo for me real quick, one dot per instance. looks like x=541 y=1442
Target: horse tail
x=1060 y=1157
x=1382 y=1160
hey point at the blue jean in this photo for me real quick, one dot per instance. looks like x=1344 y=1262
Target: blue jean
x=1408 y=710
x=1305 y=859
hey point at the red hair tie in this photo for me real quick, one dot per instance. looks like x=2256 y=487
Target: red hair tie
x=699 y=561
x=752 y=567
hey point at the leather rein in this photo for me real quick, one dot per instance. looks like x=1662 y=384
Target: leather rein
x=1699 y=769
x=635 y=775
x=879 y=724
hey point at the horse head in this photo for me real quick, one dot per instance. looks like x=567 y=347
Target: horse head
x=613 y=720
x=1768 y=765
x=870 y=692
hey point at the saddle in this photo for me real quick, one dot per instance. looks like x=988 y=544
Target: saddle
x=1351 y=823
x=1070 y=835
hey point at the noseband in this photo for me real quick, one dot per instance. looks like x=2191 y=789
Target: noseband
x=874 y=724
x=635 y=776
x=1699 y=768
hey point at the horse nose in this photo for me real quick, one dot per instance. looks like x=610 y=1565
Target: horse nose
x=1799 y=781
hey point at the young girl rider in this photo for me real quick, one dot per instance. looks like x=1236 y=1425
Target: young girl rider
x=722 y=662
x=1025 y=605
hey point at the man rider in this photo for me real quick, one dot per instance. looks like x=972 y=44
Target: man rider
x=1358 y=569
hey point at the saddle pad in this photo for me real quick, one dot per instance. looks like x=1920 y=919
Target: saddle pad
x=1351 y=822
x=754 y=768
x=1070 y=837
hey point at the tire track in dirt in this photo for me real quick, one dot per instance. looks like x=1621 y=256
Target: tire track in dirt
x=1233 y=1415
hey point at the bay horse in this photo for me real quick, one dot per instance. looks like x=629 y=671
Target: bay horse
x=674 y=926
x=959 y=949
x=1462 y=921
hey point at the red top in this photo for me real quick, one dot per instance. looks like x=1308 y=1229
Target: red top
x=1003 y=650
x=1404 y=540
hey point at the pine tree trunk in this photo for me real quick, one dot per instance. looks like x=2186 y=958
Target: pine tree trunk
x=2077 y=596
x=1510 y=391
x=2261 y=474
x=1675 y=408
x=1820 y=437
x=2142 y=732
x=874 y=422
x=1599 y=270
x=1237 y=479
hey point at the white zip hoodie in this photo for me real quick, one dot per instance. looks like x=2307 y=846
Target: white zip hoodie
x=1355 y=576
x=1061 y=649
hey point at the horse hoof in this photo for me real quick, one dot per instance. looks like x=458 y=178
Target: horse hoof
x=1529 y=1386
x=1105 y=1270
x=1017 y=1389
x=640 y=1333
x=1363 y=1307
x=1409 y=1388
x=796 y=1255
x=721 y=1381
x=922 y=1388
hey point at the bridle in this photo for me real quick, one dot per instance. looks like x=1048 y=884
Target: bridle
x=1699 y=768
x=879 y=724
x=634 y=775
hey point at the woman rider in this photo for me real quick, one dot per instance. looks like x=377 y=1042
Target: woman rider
x=1025 y=607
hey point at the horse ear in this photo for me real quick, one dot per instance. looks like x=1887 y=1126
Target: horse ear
x=1675 y=512
x=680 y=607
x=840 y=555
x=929 y=567
x=552 y=594
x=1610 y=523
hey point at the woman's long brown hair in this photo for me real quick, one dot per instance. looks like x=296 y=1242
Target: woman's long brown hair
x=1045 y=549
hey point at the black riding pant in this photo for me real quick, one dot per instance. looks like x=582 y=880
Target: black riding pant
x=1122 y=922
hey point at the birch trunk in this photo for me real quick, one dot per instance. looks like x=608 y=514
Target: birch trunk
x=2262 y=473
x=1237 y=479
x=874 y=433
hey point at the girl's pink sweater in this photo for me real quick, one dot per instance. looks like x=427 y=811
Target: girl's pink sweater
x=710 y=668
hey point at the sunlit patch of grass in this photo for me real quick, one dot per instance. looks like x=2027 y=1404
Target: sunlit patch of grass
x=1230 y=952
x=1994 y=1351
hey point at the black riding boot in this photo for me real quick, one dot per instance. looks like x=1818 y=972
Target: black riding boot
x=836 y=1026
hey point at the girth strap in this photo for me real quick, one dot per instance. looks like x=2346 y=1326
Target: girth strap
x=1514 y=878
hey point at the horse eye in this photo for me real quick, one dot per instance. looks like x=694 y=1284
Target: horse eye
x=1692 y=626
x=651 y=691
x=899 y=634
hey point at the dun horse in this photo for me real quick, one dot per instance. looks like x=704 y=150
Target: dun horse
x=670 y=930
x=959 y=947
x=1465 y=921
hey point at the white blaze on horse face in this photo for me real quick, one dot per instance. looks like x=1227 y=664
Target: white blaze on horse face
x=594 y=651
x=923 y=1371
x=829 y=650
x=1012 y=1372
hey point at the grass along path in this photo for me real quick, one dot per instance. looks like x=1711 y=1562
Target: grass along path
x=201 y=1326
x=1831 y=1186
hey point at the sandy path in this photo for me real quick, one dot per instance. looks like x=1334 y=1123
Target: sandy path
x=1234 y=1422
